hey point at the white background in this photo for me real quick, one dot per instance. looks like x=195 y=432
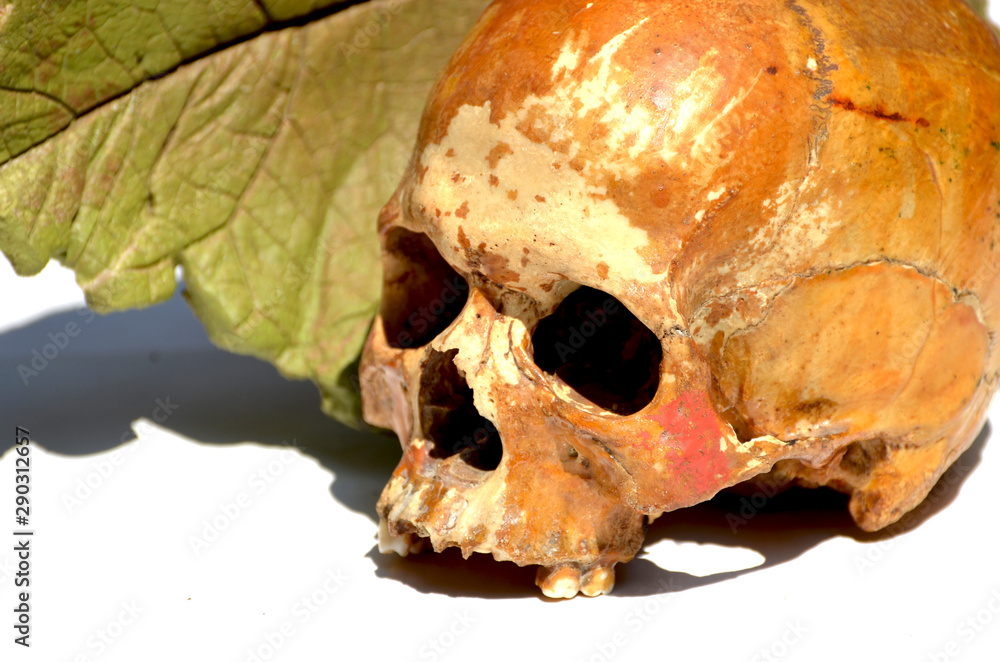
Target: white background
x=257 y=541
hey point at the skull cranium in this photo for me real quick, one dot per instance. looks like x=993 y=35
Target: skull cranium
x=648 y=251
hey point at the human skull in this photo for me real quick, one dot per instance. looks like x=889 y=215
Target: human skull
x=648 y=251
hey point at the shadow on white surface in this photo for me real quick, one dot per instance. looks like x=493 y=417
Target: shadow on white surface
x=789 y=525
x=159 y=363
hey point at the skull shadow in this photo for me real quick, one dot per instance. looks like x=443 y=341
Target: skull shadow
x=781 y=529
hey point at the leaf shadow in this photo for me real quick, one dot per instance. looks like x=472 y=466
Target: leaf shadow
x=124 y=366
x=159 y=364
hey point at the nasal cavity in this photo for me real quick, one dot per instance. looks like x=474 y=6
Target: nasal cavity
x=449 y=419
x=597 y=347
x=421 y=293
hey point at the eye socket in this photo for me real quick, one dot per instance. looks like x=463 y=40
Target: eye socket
x=449 y=419
x=421 y=293
x=597 y=347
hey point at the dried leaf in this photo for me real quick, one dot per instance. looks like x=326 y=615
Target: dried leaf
x=258 y=168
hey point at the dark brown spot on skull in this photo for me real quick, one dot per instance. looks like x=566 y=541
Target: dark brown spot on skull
x=863 y=456
x=540 y=198
x=463 y=240
x=878 y=112
x=501 y=150
x=602 y=270
x=495 y=268
x=818 y=408
x=562 y=146
x=512 y=194
x=463 y=211
x=661 y=197
x=534 y=126
x=476 y=536
x=494 y=180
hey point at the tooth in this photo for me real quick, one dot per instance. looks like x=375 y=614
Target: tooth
x=403 y=545
x=559 y=582
x=387 y=542
x=417 y=544
x=598 y=580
